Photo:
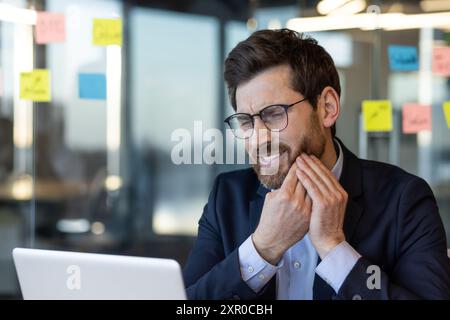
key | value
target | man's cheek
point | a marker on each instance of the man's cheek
(252, 153)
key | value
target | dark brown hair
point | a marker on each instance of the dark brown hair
(313, 68)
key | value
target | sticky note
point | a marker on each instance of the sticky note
(107, 32)
(35, 85)
(403, 58)
(377, 115)
(441, 61)
(416, 117)
(446, 107)
(50, 27)
(447, 38)
(92, 86)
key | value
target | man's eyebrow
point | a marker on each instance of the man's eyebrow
(262, 106)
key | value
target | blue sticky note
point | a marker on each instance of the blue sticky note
(403, 58)
(92, 86)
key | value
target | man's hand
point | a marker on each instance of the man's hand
(285, 219)
(329, 201)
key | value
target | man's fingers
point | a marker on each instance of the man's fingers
(320, 170)
(319, 166)
(308, 202)
(300, 191)
(311, 188)
(325, 170)
(306, 167)
(290, 180)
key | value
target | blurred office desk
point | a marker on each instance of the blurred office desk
(20, 204)
(42, 203)
(24, 189)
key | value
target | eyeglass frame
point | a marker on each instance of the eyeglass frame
(252, 116)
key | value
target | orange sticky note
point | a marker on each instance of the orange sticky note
(50, 27)
(446, 107)
(416, 117)
(441, 61)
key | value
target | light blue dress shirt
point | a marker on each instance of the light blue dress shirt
(296, 270)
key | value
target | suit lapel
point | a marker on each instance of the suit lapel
(352, 216)
(256, 205)
(351, 181)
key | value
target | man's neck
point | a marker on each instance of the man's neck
(329, 156)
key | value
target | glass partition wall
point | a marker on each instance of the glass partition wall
(94, 172)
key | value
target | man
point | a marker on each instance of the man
(326, 225)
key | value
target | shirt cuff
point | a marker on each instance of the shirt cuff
(255, 271)
(337, 264)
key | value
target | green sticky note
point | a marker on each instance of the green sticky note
(447, 38)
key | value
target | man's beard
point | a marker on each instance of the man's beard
(312, 142)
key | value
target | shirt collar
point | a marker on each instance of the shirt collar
(337, 168)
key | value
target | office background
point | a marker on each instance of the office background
(96, 175)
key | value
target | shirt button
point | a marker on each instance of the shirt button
(250, 269)
(261, 277)
(297, 265)
(357, 297)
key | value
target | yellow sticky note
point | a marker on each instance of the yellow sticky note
(107, 32)
(377, 115)
(35, 85)
(446, 107)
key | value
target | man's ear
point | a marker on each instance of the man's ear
(330, 105)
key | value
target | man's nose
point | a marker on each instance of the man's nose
(259, 124)
(260, 134)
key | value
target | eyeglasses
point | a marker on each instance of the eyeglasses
(274, 117)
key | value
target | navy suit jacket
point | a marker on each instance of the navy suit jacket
(391, 219)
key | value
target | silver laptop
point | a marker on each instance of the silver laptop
(61, 275)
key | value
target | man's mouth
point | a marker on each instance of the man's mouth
(269, 161)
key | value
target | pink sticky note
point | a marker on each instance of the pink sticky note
(50, 27)
(441, 61)
(416, 117)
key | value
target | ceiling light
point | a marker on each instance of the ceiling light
(9, 13)
(351, 7)
(326, 6)
(435, 5)
(369, 21)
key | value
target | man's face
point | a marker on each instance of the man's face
(303, 134)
